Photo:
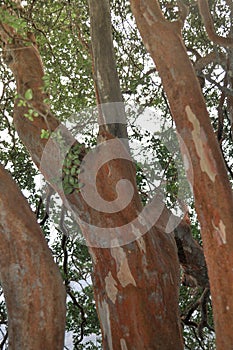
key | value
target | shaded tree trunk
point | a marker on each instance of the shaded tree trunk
(105, 73)
(213, 199)
(31, 281)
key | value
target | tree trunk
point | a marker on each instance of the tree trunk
(136, 285)
(31, 281)
(213, 198)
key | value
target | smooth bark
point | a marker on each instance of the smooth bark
(212, 190)
(105, 72)
(136, 285)
(31, 281)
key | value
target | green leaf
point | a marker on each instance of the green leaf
(71, 180)
(29, 116)
(68, 189)
(73, 170)
(28, 94)
(44, 134)
(76, 161)
(22, 103)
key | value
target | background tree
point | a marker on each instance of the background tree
(62, 33)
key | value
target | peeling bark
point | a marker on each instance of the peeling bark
(32, 284)
(213, 198)
(136, 286)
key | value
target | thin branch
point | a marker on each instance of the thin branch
(226, 164)
(3, 342)
(209, 25)
(201, 303)
(49, 193)
(83, 318)
(212, 57)
(220, 112)
(198, 340)
(224, 89)
(64, 244)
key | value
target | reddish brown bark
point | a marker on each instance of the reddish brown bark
(136, 286)
(212, 191)
(32, 284)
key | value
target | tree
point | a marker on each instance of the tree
(194, 125)
(141, 276)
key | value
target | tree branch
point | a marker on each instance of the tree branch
(212, 57)
(209, 25)
(105, 72)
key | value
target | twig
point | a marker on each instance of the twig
(3, 342)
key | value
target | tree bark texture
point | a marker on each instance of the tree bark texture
(105, 72)
(212, 191)
(136, 285)
(31, 281)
